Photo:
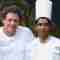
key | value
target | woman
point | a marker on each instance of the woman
(45, 46)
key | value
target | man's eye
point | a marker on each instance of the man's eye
(9, 19)
(39, 24)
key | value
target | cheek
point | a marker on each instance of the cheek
(37, 28)
(47, 29)
(6, 23)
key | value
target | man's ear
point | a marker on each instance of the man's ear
(3, 21)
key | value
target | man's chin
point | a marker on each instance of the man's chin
(11, 30)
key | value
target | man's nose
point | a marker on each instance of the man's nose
(12, 22)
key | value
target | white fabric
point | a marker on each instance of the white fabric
(17, 47)
(49, 8)
(46, 51)
(43, 8)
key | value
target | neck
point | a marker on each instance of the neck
(8, 33)
(43, 39)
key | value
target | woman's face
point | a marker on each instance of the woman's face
(42, 27)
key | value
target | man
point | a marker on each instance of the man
(46, 47)
(15, 40)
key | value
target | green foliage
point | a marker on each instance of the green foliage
(27, 12)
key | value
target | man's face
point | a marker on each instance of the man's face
(10, 22)
(43, 27)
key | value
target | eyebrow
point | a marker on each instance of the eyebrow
(42, 23)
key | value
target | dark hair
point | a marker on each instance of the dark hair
(12, 9)
(49, 21)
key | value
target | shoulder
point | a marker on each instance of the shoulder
(54, 40)
(25, 29)
(26, 33)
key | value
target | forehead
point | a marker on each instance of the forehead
(12, 15)
(42, 21)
